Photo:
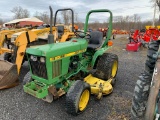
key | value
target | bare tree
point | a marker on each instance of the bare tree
(25, 13)
(66, 15)
(36, 14)
(44, 16)
(19, 12)
(127, 22)
(136, 19)
(58, 20)
(76, 19)
(158, 4)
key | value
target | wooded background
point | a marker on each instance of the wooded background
(119, 22)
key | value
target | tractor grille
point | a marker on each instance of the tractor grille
(39, 68)
(57, 68)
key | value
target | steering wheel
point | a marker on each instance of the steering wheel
(82, 34)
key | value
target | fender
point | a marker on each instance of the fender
(99, 53)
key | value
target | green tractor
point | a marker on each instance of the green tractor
(78, 68)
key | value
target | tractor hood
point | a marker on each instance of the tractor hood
(56, 49)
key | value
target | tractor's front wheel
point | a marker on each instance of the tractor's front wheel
(107, 67)
(77, 97)
(27, 78)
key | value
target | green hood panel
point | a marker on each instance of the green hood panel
(56, 49)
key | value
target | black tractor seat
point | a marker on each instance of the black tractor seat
(95, 40)
(60, 29)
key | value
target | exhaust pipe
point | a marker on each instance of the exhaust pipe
(50, 36)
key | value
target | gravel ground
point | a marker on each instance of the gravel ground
(17, 105)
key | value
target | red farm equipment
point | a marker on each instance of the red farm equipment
(134, 41)
(104, 31)
(151, 33)
(143, 37)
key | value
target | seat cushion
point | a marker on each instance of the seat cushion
(95, 40)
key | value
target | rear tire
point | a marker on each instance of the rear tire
(152, 103)
(150, 62)
(27, 78)
(140, 97)
(77, 97)
(107, 67)
(141, 91)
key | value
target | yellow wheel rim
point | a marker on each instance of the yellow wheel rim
(114, 68)
(84, 100)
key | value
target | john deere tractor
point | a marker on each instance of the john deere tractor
(15, 53)
(78, 68)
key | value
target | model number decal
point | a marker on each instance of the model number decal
(67, 55)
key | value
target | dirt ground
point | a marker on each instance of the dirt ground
(17, 105)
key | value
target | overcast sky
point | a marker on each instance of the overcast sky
(118, 7)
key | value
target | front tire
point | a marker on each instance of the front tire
(77, 97)
(27, 78)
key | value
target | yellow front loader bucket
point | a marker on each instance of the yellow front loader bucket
(8, 75)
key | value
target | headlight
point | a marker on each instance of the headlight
(34, 58)
(42, 59)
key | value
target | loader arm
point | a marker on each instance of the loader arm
(2, 37)
(6, 35)
(66, 36)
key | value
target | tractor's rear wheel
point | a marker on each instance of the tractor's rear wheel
(153, 102)
(151, 60)
(141, 91)
(154, 95)
(77, 97)
(107, 67)
(27, 78)
(8, 57)
(140, 97)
